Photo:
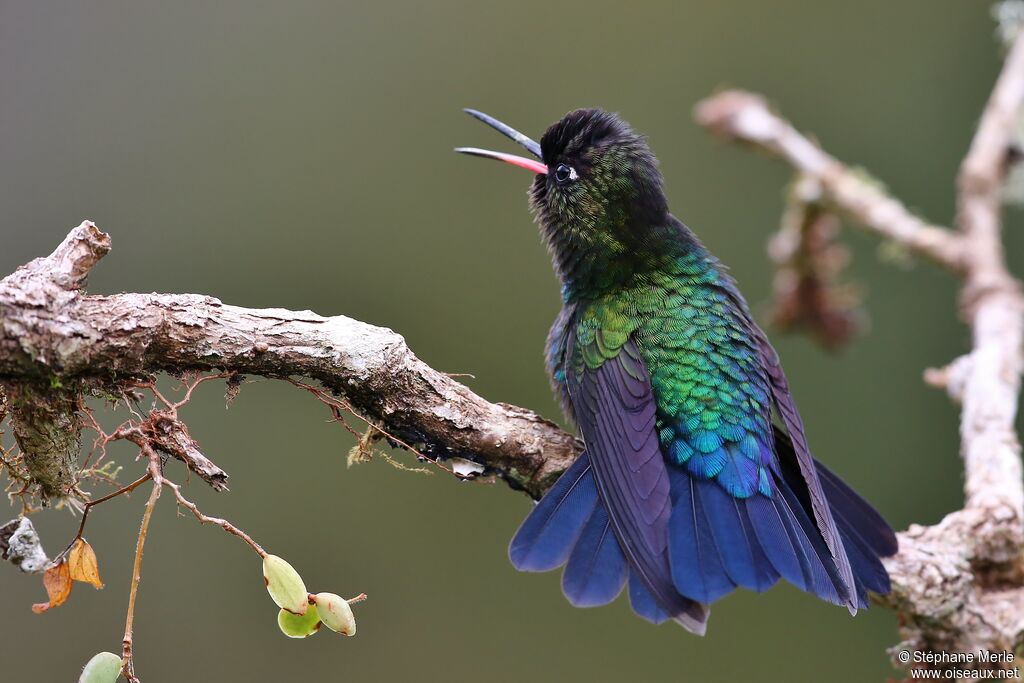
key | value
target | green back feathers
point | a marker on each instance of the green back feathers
(710, 389)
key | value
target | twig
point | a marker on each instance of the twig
(168, 434)
(205, 519)
(128, 669)
(337, 405)
(745, 117)
(191, 386)
(89, 505)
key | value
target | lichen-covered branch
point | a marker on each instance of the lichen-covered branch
(73, 338)
(958, 585)
(49, 432)
(44, 414)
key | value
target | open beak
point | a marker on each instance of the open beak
(510, 132)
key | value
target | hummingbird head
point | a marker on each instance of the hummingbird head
(603, 182)
(597, 193)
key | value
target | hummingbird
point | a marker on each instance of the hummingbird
(696, 477)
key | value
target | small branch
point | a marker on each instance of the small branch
(169, 435)
(129, 665)
(984, 168)
(89, 505)
(204, 519)
(359, 598)
(741, 116)
(57, 278)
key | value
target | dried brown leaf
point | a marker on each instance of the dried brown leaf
(57, 581)
(83, 564)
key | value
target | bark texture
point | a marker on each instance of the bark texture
(51, 334)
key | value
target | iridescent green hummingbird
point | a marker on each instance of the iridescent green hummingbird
(697, 477)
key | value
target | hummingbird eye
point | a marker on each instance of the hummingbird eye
(564, 174)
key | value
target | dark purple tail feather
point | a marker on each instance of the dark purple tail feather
(873, 530)
(718, 542)
(825, 581)
(777, 541)
(866, 535)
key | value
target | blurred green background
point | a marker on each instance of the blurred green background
(299, 155)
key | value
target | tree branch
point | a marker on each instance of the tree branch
(107, 339)
(958, 584)
(741, 116)
(44, 416)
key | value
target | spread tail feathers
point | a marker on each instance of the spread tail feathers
(716, 542)
(571, 526)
